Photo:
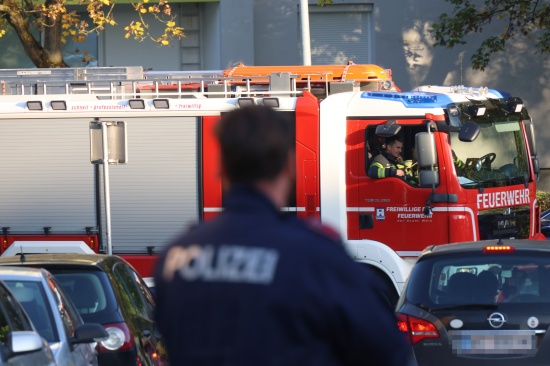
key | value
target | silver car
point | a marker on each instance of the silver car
(20, 344)
(54, 315)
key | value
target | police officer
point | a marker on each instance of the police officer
(257, 287)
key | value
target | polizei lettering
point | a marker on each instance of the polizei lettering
(503, 199)
(226, 263)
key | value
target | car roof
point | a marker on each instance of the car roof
(60, 258)
(27, 273)
(476, 247)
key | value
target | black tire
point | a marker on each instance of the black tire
(388, 291)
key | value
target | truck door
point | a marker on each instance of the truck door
(390, 210)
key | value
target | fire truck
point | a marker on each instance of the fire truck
(475, 160)
(54, 192)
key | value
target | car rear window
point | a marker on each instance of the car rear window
(90, 291)
(513, 278)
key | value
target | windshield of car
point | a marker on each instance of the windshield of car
(497, 157)
(477, 280)
(32, 296)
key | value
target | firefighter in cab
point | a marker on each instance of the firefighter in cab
(389, 163)
(257, 286)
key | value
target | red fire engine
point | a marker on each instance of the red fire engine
(52, 197)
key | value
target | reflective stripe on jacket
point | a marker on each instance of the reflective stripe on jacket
(382, 167)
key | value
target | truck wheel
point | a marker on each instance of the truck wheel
(389, 293)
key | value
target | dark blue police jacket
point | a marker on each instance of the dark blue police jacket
(257, 287)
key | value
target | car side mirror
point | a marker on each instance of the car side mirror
(23, 341)
(88, 333)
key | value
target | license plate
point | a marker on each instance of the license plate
(490, 342)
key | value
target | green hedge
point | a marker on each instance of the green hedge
(543, 199)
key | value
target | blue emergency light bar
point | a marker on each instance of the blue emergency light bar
(420, 99)
(413, 99)
(502, 93)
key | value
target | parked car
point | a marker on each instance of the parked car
(479, 303)
(106, 289)
(53, 315)
(20, 343)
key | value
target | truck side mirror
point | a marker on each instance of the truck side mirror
(530, 129)
(428, 178)
(425, 149)
(536, 167)
(469, 132)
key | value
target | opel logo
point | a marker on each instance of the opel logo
(496, 320)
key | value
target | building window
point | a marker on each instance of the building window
(340, 33)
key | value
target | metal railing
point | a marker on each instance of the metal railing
(133, 82)
(123, 84)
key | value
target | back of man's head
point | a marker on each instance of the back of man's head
(255, 143)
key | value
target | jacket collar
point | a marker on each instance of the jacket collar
(390, 158)
(246, 198)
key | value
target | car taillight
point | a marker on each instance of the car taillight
(415, 328)
(119, 338)
(498, 249)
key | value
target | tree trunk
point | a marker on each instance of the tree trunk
(52, 37)
(40, 57)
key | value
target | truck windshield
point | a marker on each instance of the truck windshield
(497, 157)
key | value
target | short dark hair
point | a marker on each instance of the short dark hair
(255, 143)
(393, 139)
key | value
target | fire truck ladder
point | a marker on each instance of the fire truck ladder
(239, 81)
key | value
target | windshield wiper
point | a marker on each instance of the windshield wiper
(466, 307)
